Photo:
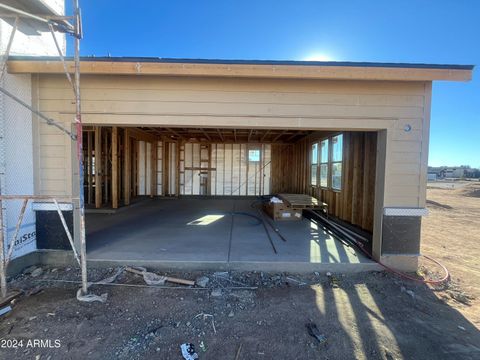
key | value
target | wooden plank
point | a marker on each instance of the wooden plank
(357, 195)
(90, 168)
(120, 162)
(165, 93)
(301, 201)
(347, 177)
(366, 175)
(153, 169)
(106, 177)
(166, 168)
(145, 164)
(98, 167)
(350, 72)
(127, 171)
(177, 169)
(369, 201)
(114, 167)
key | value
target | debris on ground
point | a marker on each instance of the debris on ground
(5, 310)
(452, 290)
(205, 317)
(102, 298)
(29, 270)
(91, 297)
(216, 292)
(34, 291)
(37, 272)
(300, 283)
(459, 295)
(237, 356)
(188, 351)
(12, 296)
(155, 279)
(202, 281)
(333, 280)
(148, 322)
(410, 293)
(314, 332)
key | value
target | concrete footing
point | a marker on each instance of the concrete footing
(41, 257)
(267, 266)
(58, 258)
(407, 263)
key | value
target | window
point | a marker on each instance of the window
(326, 163)
(254, 155)
(337, 157)
(314, 164)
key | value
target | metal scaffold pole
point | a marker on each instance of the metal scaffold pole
(61, 24)
(79, 131)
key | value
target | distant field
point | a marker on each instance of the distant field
(451, 234)
(448, 184)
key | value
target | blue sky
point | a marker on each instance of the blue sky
(429, 31)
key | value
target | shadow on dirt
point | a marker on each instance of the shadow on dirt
(472, 192)
(438, 205)
(363, 316)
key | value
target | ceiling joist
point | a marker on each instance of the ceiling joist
(229, 135)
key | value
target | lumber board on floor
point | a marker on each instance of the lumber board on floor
(301, 201)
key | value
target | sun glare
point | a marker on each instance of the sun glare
(206, 220)
(318, 57)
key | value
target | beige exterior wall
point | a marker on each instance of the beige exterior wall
(243, 103)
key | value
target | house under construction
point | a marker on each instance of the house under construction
(182, 158)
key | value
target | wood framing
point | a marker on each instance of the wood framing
(115, 167)
(89, 171)
(98, 167)
(127, 167)
(349, 71)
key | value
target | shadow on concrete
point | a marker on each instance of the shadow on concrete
(209, 230)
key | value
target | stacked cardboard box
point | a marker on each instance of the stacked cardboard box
(282, 212)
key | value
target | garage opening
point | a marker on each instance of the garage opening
(202, 195)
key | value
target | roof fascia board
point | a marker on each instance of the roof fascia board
(252, 70)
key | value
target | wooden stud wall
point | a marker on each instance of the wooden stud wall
(226, 169)
(111, 165)
(113, 170)
(355, 202)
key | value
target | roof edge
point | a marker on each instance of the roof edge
(248, 62)
(325, 70)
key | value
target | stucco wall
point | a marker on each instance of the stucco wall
(32, 37)
(16, 140)
(16, 161)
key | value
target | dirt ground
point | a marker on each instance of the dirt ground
(451, 234)
(363, 316)
(263, 316)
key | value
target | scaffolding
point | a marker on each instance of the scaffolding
(71, 25)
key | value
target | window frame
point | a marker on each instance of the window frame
(329, 163)
(312, 164)
(259, 155)
(332, 162)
